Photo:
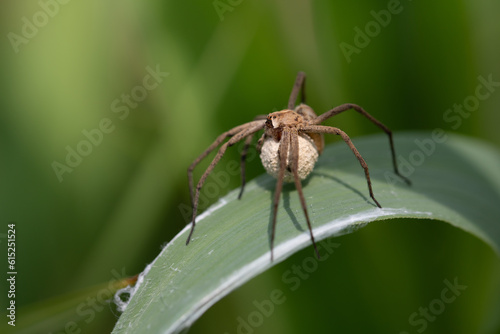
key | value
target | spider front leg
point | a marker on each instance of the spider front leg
(260, 142)
(212, 147)
(294, 160)
(244, 153)
(337, 110)
(283, 154)
(347, 140)
(245, 130)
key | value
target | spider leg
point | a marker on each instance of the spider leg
(245, 130)
(212, 147)
(260, 142)
(337, 110)
(283, 154)
(294, 159)
(347, 140)
(248, 142)
(300, 85)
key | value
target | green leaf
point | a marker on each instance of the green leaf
(455, 180)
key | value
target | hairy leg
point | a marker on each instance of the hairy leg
(283, 153)
(244, 153)
(299, 86)
(248, 142)
(260, 142)
(234, 139)
(212, 147)
(294, 160)
(337, 110)
(347, 140)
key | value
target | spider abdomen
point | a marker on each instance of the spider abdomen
(308, 155)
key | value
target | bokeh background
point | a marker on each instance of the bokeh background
(228, 61)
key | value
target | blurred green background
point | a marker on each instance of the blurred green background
(65, 72)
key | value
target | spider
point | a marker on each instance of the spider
(289, 147)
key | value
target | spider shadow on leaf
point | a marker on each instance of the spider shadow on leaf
(345, 185)
(288, 190)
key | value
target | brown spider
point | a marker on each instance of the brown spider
(289, 148)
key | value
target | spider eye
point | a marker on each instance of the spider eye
(269, 123)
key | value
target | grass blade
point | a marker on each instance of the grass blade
(455, 179)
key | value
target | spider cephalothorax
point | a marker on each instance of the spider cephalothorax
(289, 149)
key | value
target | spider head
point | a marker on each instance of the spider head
(276, 121)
